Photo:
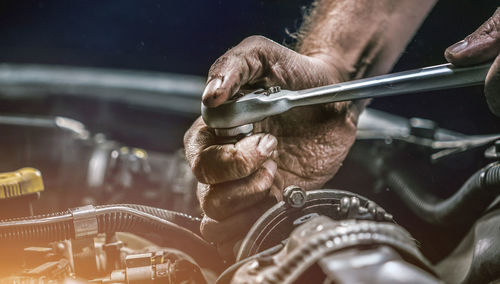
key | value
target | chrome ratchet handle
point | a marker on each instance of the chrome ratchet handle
(261, 104)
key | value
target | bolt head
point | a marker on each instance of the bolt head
(295, 196)
(274, 89)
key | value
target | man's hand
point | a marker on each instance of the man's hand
(339, 40)
(304, 146)
(481, 46)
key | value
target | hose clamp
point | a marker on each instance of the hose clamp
(84, 221)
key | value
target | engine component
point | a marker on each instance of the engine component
(463, 208)
(48, 272)
(157, 267)
(20, 183)
(18, 190)
(326, 251)
(269, 233)
(475, 259)
(299, 206)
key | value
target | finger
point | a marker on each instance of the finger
(492, 87)
(198, 137)
(235, 226)
(220, 201)
(480, 46)
(228, 80)
(214, 164)
(234, 69)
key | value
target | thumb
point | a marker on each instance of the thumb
(480, 46)
(238, 66)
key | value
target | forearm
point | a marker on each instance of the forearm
(362, 37)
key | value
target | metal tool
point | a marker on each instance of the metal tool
(235, 117)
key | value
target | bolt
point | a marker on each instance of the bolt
(344, 205)
(273, 90)
(294, 196)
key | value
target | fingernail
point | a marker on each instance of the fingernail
(267, 145)
(211, 87)
(458, 47)
(270, 166)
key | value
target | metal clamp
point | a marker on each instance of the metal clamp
(84, 221)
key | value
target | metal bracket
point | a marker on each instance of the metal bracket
(84, 222)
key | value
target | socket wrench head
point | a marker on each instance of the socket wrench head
(244, 130)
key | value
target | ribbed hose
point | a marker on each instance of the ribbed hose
(59, 225)
(47, 227)
(356, 234)
(137, 219)
(463, 208)
(184, 220)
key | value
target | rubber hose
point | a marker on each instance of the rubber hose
(59, 225)
(357, 234)
(111, 219)
(181, 219)
(462, 208)
(60, 229)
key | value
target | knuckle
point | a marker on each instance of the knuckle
(242, 164)
(254, 39)
(201, 192)
(213, 204)
(216, 68)
(236, 162)
(263, 182)
(199, 170)
(208, 229)
(491, 28)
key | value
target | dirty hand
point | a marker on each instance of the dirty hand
(481, 46)
(304, 146)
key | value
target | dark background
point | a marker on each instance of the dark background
(187, 36)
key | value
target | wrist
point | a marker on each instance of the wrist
(368, 35)
(337, 68)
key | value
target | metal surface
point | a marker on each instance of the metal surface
(276, 224)
(85, 221)
(258, 105)
(173, 92)
(294, 196)
(235, 131)
(321, 237)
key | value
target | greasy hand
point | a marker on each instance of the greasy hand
(305, 146)
(481, 46)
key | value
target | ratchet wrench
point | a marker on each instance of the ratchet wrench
(235, 117)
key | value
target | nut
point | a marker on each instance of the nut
(294, 196)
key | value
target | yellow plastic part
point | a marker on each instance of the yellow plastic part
(21, 182)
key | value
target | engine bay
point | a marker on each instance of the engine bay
(95, 188)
